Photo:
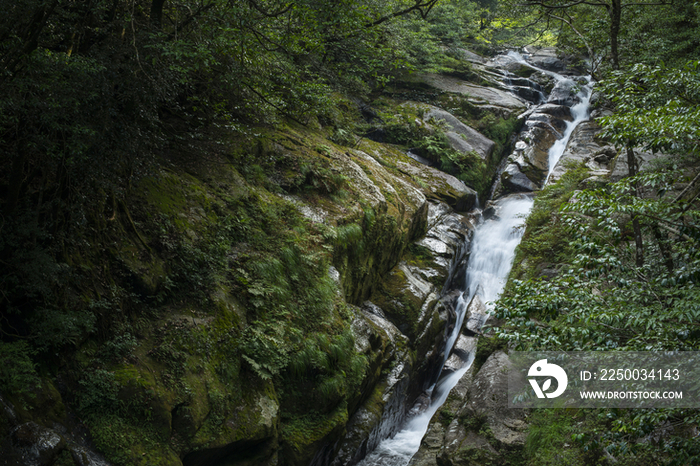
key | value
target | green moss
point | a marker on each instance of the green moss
(128, 444)
(221, 283)
(41, 403)
(486, 346)
(549, 439)
(446, 416)
(479, 457)
(302, 435)
(248, 412)
(65, 459)
(545, 242)
(401, 306)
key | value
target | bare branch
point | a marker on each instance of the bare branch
(544, 4)
(564, 20)
(275, 14)
(422, 6)
(646, 4)
(687, 188)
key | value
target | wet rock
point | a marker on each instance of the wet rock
(512, 65)
(546, 122)
(462, 354)
(442, 441)
(580, 149)
(545, 81)
(529, 93)
(378, 418)
(535, 156)
(477, 314)
(516, 181)
(475, 94)
(447, 240)
(560, 112)
(488, 397)
(489, 212)
(36, 445)
(85, 457)
(482, 428)
(385, 406)
(546, 58)
(406, 303)
(564, 93)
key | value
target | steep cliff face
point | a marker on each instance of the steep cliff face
(281, 303)
(474, 427)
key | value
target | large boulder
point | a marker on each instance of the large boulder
(385, 405)
(475, 427)
(515, 181)
(477, 95)
(440, 186)
(34, 445)
(546, 58)
(462, 138)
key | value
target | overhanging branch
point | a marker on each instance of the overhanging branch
(422, 6)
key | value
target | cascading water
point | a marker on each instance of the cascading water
(492, 252)
(580, 114)
(493, 248)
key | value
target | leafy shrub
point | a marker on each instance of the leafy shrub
(17, 370)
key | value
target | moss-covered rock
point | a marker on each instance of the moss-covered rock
(216, 330)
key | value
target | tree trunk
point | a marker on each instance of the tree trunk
(615, 11)
(664, 248)
(638, 241)
(157, 12)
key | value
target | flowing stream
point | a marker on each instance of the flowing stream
(492, 252)
(493, 248)
(580, 114)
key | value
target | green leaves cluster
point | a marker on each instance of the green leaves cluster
(657, 107)
(600, 300)
(603, 300)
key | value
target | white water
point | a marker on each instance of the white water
(519, 58)
(579, 111)
(580, 114)
(493, 249)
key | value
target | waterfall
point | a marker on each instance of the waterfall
(493, 248)
(492, 252)
(580, 114)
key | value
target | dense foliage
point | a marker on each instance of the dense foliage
(140, 223)
(96, 94)
(627, 265)
(98, 99)
(611, 33)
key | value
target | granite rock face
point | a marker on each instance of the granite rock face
(413, 308)
(481, 430)
(462, 138)
(478, 95)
